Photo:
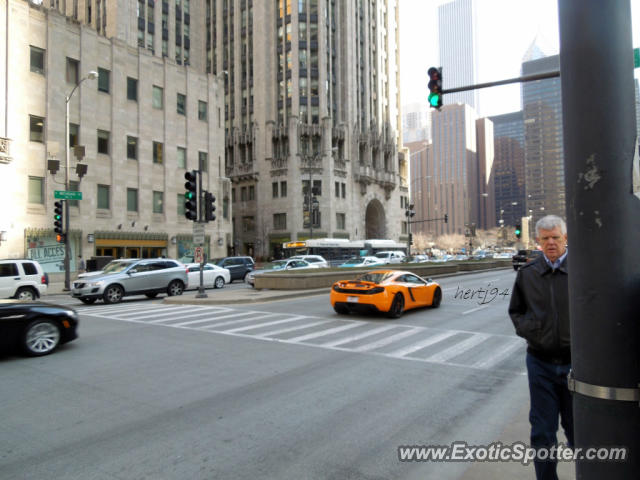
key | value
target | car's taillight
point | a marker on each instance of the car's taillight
(45, 279)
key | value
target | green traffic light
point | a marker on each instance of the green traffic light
(434, 99)
(188, 195)
(57, 217)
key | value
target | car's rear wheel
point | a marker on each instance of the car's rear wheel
(87, 300)
(341, 309)
(437, 298)
(41, 337)
(219, 282)
(176, 287)
(244, 279)
(113, 294)
(151, 295)
(26, 293)
(397, 306)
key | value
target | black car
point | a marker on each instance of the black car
(237, 266)
(36, 328)
(523, 257)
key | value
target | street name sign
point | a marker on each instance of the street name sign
(67, 195)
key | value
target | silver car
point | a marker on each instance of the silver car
(132, 277)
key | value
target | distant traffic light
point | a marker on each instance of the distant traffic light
(518, 230)
(209, 206)
(58, 216)
(435, 87)
(191, 195)
(410, 212)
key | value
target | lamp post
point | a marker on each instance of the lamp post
(92, 75)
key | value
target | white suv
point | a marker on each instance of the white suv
(22, 279)
(391, 256)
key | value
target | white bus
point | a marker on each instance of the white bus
(337, 250)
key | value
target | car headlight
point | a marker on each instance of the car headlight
(96, 284)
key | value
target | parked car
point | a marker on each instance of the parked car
(416, 259)
(213, 276)
(22, 279)
(312, 259)
(388, 291)
(238, 267)
(124, 277)
(276, 265)
(362, 262)
(523, 257)
(391, 256)
(34, 327)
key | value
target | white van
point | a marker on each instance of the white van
(391, 256)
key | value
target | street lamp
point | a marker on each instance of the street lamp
(92, 75)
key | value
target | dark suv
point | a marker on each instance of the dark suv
(237, 266)
(524, 256)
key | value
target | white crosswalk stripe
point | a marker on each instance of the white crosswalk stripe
(400, 342)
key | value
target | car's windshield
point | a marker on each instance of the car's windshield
(382, 255)
(375, 277)
(277, 265)
(116, 267)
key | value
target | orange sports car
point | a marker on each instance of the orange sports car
(388, 291)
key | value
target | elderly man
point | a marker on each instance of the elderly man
(539, 309)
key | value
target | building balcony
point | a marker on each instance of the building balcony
(241, 171)
(5, 156)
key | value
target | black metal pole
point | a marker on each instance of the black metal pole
(201, 219)
(596, 62)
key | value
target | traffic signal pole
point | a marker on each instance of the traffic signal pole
(603, 213)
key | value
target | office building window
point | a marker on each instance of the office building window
(103, 197)
(181, 209)
(274, 189)
(202, 111)
(233, 195)
(344, 190)
(182, 157)
(158, 202)
(225, 207)
(182, 104)
(252, 192)
(36, 190)
(341, 221)
(103, 142)
(157, 97)
(203, 161)
(283, 189)
(243, 194)
(132, 199)
(104, 80)
(74, 132)
(73, 67)
(279, 221)
(37, 60)
(157, 152)
(132, 148)
(248, 224)
(337, 189)
(132, 89)
(317, 188)
(36, 128)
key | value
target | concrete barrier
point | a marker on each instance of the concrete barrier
(325, 277)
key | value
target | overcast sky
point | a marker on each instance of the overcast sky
(506, 29)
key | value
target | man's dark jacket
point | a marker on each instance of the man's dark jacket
(539, 309)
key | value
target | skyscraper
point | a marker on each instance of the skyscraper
(311, 117)
(458, 43)
(544, 152)
(508, 133)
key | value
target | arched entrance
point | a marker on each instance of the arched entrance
(375, 225)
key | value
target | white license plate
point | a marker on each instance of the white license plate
(353, 299)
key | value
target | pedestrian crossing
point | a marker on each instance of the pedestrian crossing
(482, 351)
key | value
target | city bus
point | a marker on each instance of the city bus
(338, 250)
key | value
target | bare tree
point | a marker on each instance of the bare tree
(422, 241)
(486, 238)
(451, 241)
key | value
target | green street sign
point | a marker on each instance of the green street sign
(67, 195)
(636, 58)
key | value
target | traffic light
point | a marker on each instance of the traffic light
(446, 218)
(518, 230)
(191, 195)
(58, 216)
(209, 206)
(435, 87)
(410, 212)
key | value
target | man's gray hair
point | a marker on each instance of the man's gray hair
(550, 222)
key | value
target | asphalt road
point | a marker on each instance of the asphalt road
(280, 390)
